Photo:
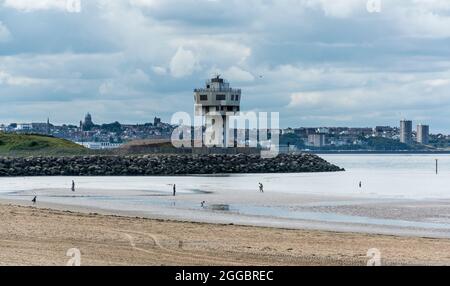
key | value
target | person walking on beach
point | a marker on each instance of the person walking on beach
(261, 188)
(360, 184)
(34, 199)
(174, 190)
(73, 186)
(202, 204)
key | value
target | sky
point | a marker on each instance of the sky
(316, 62)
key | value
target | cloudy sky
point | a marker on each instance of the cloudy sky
(317, 62)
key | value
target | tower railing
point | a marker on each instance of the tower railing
(217, 90)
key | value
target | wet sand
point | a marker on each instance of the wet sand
(41, 236)
(295, 201)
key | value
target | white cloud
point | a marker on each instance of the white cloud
(125, 85)
(106, 87)
(239, 75)
(144, 3)
(329, 99)
(215, 50)
(137, 77)
(33, 5)
(183, 63)
(8, 79)
(438, 82)
(337, 8)
(159, 70)
(423, 23)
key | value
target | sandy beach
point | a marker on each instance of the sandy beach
(33, 236)
(300, 219)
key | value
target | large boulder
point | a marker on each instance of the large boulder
(148, 165)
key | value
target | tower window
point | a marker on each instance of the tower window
(220, 97)
(232, 97)
(203, 97)
(237, 97)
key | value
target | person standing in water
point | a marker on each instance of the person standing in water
(34, 199)
(360, 184)
(174, 190)
(261, 188)
(73, 186)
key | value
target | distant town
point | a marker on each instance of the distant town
(379, 138)
(95, 136)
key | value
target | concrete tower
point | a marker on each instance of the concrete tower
(423, 133)
(215, 103)
(406, 131)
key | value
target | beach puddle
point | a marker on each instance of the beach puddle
(285, 213)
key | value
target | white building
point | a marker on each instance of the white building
(24, 126)
(99, 145)
(323, 130)
(215, 103)
(288, 131)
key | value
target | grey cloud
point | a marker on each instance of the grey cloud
(118, 59)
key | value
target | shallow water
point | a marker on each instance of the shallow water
(400, 194)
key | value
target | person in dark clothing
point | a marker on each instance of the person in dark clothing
(174, 190)
(360, 184)
(261, 188)
(34, 199)
(73, 186)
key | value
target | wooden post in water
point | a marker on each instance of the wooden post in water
(437, 171)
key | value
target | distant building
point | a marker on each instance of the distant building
(316, 140)
(287, 131)
(382, 130)
(156, 121)
(423, 134)
(323, 130)
(24, 127)
(99, 145)
(41, 128)
(366, 131)
(88, 124)
(406, 131)
(304, 132)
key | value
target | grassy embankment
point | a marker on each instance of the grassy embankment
(27, 145)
